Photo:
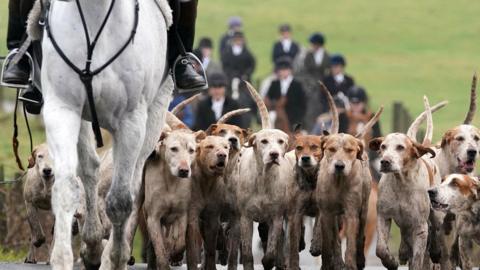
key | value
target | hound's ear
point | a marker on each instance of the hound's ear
(246, 132)
(447, 138)
(32, 159)
(360, 149)
(200, 135)
(374, 144)
(211, 129)
(475, 187)
(163, 136)
(420, 150)
(297, 129)
(251, 140)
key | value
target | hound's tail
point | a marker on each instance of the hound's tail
(473, 101)
(370, 123)
(427, 140)
(173, 122)
(413, 129)
(180, 106)
(262, 108)
(333, 109)
(231, 114)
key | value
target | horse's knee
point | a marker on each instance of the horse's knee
(119, 206)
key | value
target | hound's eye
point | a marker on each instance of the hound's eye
(476, 138)
(348, 150)
(453, 183)
(191, 150)
(383, 147)
(223, 131)
(299, 148)
(281, 141)
(332, 149)
(314, 147)
(460, 139)
(210, 146)
(174, 149)
(226, 147)
(264, 141)
(238, 132)
(40, 156)
(400, 147)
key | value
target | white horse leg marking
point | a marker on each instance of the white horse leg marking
(88, 173)
(126, 152)
(62, 129)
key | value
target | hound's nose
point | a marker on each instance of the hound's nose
(183, 173)
(385, 163)
(274, 155)
(47, 171)
(222, 156)
(306, 159)
(339, 166)
(471, 153)
(432, 193)
(233, 141)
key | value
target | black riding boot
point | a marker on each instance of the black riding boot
(187, 70)
(18, 11)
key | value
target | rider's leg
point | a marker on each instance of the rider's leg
(181, 37)
(17, 17)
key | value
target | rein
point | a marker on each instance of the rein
(86, 74)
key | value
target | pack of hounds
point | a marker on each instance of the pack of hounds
(203, 190)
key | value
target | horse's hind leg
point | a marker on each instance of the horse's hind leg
(88, 171)
(155, 123)
(62, 129)
(119, 201)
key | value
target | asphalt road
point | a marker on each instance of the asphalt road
(143, 266)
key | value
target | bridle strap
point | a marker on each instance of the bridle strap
(86, 75)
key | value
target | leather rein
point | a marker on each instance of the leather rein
(86, 74)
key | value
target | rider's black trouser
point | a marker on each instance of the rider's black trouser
(17, 20)
(184, 17)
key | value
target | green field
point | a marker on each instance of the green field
(398, 50)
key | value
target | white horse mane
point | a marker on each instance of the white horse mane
(35, 30)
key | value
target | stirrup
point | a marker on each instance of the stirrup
(7, 61)
(197, 65)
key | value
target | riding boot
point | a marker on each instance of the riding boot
(187, 69)
(18, 11)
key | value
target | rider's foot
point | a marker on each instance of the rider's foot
(33, 99)
(187, 78)
(16, 74)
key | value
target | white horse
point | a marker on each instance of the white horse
(131, 97)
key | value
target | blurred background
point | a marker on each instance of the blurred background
(394, 52)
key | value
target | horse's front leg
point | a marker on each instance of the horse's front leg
(62, 124)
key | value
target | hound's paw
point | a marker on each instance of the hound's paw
(268, 262)
(39, 242)
(30, 260)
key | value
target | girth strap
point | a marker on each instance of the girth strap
(86, 75)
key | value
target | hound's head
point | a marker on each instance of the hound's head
(461, 144)
(340, 152)
(178, 148)
(456, 193)
(398, 153)
(212, 154)
(236, 136)
(41, 162)
(270, 145)
(308, 151)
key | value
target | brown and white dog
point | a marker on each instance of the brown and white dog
(460, 195)
(167, 179)
(305, 159)
(261, 177)
(207, 200)
(37, 192)
(402, 195)
(342, 192)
